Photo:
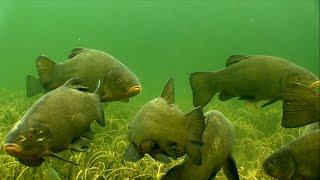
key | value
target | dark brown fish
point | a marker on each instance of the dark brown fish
(251, 78)
(56, 122)
(118, 83)
(218, 139)
(160, 127)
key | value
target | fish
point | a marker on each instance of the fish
(219, 140)
(58, 121)
(118, 83)
(297, 160)
(249, 77)
(301, 106)
(161, 130)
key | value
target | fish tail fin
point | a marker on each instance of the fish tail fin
(45, 68)
(202, 87)
(33, 86)
(297, 100)
(230, 169)
(196, 126)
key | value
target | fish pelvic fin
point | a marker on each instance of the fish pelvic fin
(34, 86)
(175, 173)
(235, 59)
(45, 67)
(131, 153)
(273, 100)
(202, 88)
(195, 130)
(230, 169)
(300, 106)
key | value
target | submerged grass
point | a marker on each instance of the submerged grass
(258, 134)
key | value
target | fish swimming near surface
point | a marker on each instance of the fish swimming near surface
(58, 121)
(118, 83)
(301, 106)
(219, 139)
(252, 78)
(297, 160)
(161, 128)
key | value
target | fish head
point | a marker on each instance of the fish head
(280, 165)
(28, 145)
(119, 85)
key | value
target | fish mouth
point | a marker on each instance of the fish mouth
(12, 149)
(315, 85)
(134, 91)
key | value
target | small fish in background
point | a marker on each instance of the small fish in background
(301, 105)
(118, 82)
(297, 160)
(161, 128)
(252, 78)
(58, 121)
(219, 139)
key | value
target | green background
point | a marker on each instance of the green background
(156, 39)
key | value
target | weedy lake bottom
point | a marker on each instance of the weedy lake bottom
(258, 134)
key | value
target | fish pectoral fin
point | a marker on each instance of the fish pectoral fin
(80, 145)
(45, 68)
(235, 59)
(298, 106)
(75, 51)
(162, 158)
(52, 154)
(224, 95)
(193, 151)
(88, 134)
(230, 169)
(131, 153)
(125, 100)
(273, 100)
(168, 92)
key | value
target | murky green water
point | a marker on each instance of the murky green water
(156, 39)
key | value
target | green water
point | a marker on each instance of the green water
(156, 39)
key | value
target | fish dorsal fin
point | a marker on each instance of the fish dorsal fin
(196, 127)
(75, 83)
(76, 51)
(45, 68)
(168, 92)
(235, 59)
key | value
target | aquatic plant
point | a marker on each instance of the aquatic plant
(258, 135)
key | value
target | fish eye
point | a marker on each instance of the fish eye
(30, 136)
(272, 162)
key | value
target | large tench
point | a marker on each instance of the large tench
(118, 83)
(218, 138)
(160, 127)
(251, 78)
(300, 159)
(56, 122)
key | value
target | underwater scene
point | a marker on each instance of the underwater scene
(159, 89)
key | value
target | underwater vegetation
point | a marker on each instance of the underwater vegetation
(258, 134)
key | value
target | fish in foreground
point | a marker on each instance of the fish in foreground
(219, 139)
(252, 78)
(118, 83)
(161, 128)
(58, 121)
(301, 106)
(298, 160)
